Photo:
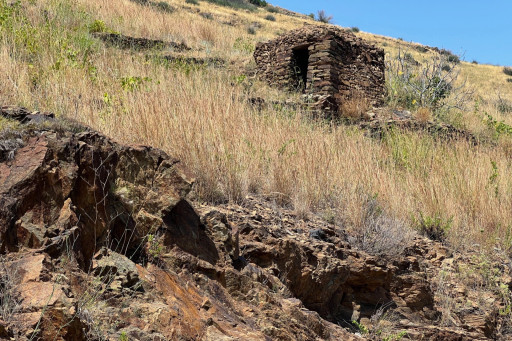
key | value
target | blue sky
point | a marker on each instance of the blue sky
(477, 30)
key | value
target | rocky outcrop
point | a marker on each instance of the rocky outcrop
(127, 42)
(98, 241)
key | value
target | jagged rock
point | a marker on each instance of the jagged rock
(84, 219)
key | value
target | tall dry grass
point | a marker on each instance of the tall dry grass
(201, 115)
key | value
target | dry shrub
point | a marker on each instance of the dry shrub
(380, 233)
(355, 106)
(10, 303)
(423, 114)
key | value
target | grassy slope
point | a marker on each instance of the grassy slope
(50, 62)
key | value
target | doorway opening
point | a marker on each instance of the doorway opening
(301, 60)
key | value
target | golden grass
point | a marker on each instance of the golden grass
(203, 117)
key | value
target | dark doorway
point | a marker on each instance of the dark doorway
(300, 61)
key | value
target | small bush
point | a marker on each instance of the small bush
(355, 29)
(507, 70)
(474, 62)
(430, 85)
(272, 9)
(311, 15)
(237, 4)
(163, 6)
(509, 80)
(323, 17)
(97, 26)
(435, 228)
(454, 59)
(192, 2)
(259, 3)
(270, 17)
(251, 30)
(381, 234)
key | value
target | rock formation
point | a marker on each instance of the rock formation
(99, 241)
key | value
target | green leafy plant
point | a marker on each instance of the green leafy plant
(132, 83)
(97, 26)
(244, 45)
(355, 29)
(507, 70)
(499, 127)
(361, 327)
(434, 227)
(270, 17)
(123, 336)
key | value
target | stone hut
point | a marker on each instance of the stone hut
(324, 61)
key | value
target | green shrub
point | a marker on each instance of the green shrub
(507, 70)
(311, 15)
(474, 62)
(97, 26)
(251, 30)
(355, 29)
(454, 59)
(433, 227)
(192, 2)
(272, 9)
(163, 6)
(259, 3)
(270, 17)
(244, 45)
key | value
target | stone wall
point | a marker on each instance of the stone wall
(339, 64)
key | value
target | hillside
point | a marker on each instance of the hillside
(310, 205)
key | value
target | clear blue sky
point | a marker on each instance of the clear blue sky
(478, 30)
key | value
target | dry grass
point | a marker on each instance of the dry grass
(423, 114)
(201, 116)
(355, 107)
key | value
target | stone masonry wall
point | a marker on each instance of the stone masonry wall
(340, 64)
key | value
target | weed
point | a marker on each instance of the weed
(244, 45)
(251, 30)
(132, 83)
(361, 327)
(355, 29)
(97, 26)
